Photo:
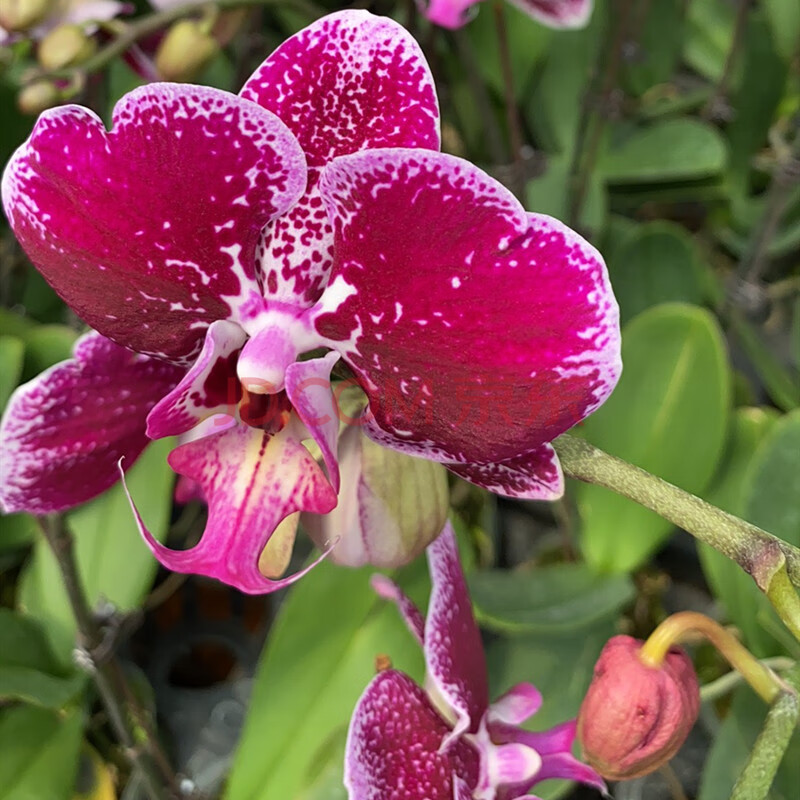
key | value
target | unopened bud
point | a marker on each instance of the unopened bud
(38, 96)
(184, 51)
(20, 15)
(635, 717)
(391, 506)
(65, 46)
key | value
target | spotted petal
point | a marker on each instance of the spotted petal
(453, 648)
(348, 82)
(149, 231)
(393, 746)
(63, 433)
(252, 482)
(506, 338)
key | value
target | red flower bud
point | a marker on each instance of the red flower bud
(635, 717)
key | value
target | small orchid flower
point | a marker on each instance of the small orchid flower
(240, 238)
(552, 13)
(447, 742)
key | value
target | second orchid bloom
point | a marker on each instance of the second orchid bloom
(232, 252)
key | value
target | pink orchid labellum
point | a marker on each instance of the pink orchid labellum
(231, 241)
(552, 13)
(446, 742)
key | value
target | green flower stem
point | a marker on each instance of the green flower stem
(756, 779)
(725, 684)
(106, 673)
(130, 33)
(762, 555)
(679, 627)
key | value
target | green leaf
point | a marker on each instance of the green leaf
(784, 19)
(318, 660)
(17, 530)
(772, 487)
(668, 150)
(656, 264)
(732, 745)
(113, 562)
(659, 47)
(550, 599)
(40, 753)
(709, 36)
(668, 415)
(13, 324)
(28, 669)
(12, 353)
(744, 602)
(46, 345)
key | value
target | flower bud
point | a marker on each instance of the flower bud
(635, 717)
(391, 506)
(38, 96)
(65, 46)
(20, 15)
(184, 51)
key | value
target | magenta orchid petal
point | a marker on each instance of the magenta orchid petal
(518, 704)
(348, 82)
(253, 482)
(389, 590)
(509, 335)
(393, 746)
(308, 386)
(552, 13)
(533, 476)
(502, 765)
(63, 432)
(149, 231)
(209, 387)
(452, 642)
(461, 790)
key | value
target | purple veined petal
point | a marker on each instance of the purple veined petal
(518, 704)
(503, 765)
(252, 482)
(389, 590)
(461, 790)
(308, 386)
(557, 13)
(452, 642)
(508, 337)
(149, 231)
(393, 746)
(209, 387)
(348, 82)
(63, 432)
(533, 476)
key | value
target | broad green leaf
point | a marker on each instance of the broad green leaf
(709, 36)
(318, 660)
(656, 264)
(17, 530)
(40, 753)
(668, 150)
(784, 19)
(46, 345)
(668, 415)
(659, 43)
(744, 602)
(782, 384)
(12, 353)
(732, 745)
(28, 669)
(560, 666)
(551, 599)
(555, 110)
(547, 194)
(772, 487)
(114, 563)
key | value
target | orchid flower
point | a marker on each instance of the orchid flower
(447, 742)
(309, 218)
(552, 13)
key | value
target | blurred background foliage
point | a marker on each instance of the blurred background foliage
(667, 132)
